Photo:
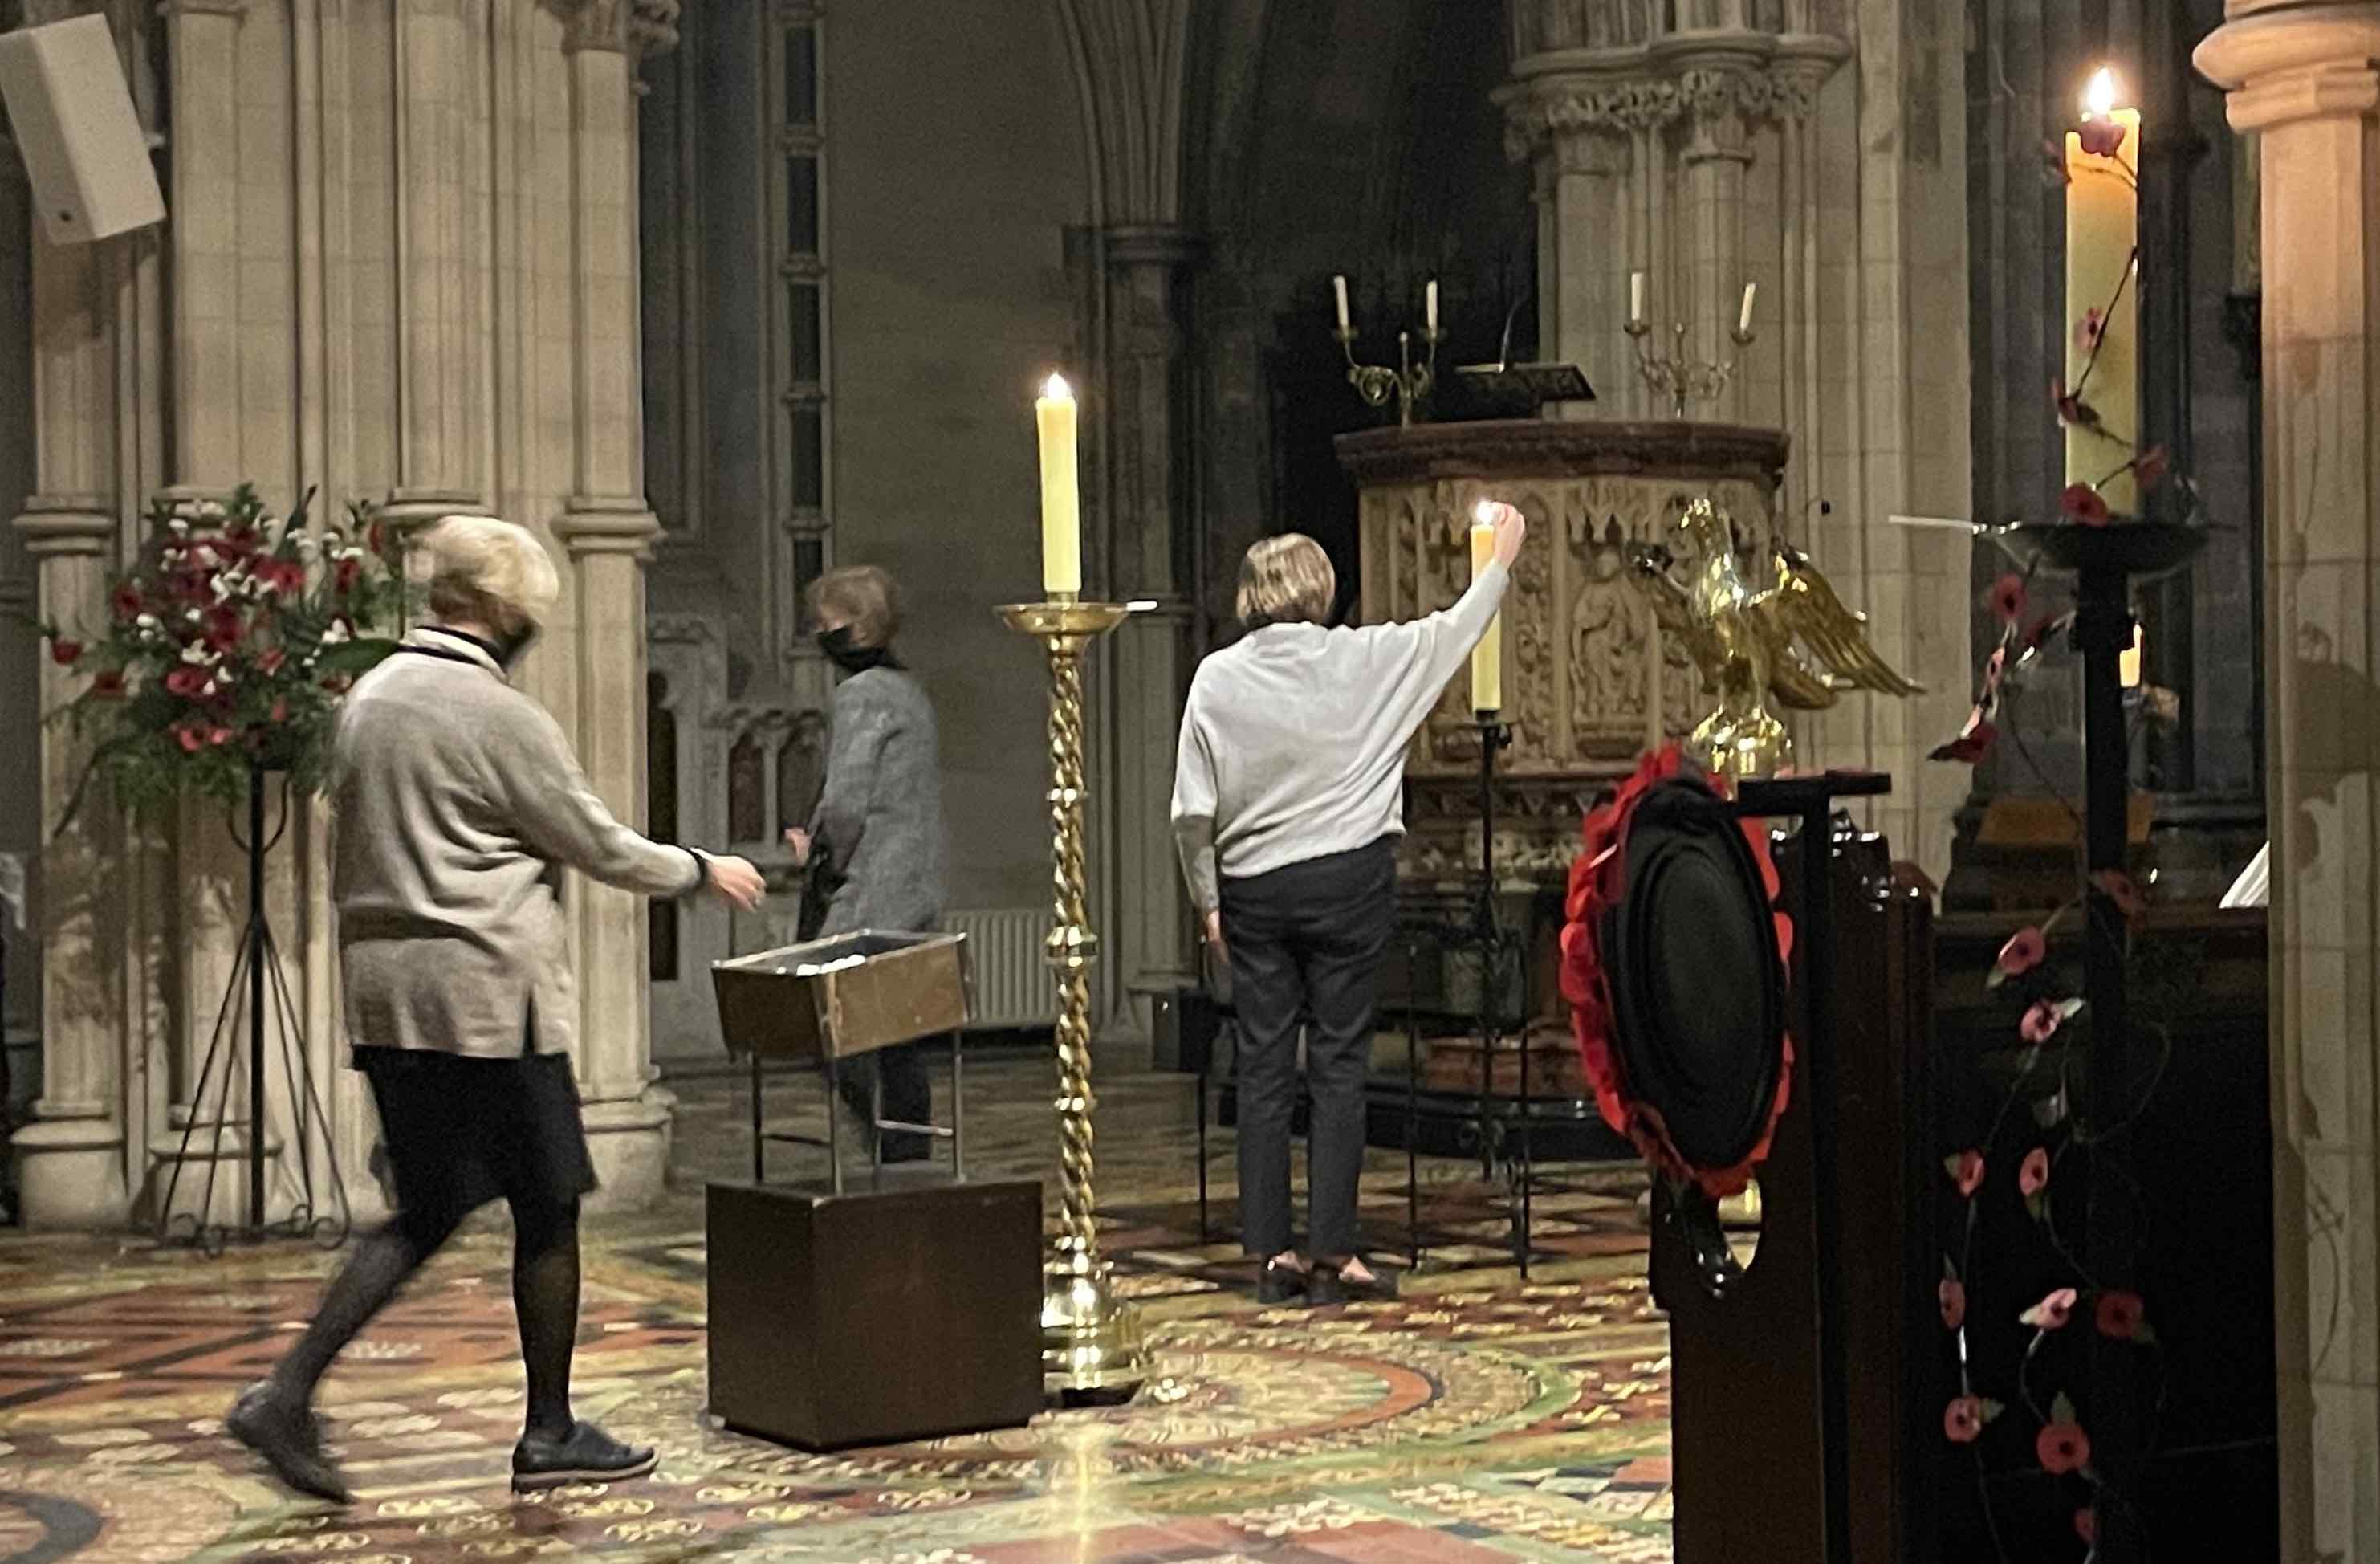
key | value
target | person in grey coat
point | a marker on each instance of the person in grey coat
(874, 844)
(456, 805)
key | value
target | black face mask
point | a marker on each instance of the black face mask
(836, 644)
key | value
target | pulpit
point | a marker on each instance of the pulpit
(1591, 682)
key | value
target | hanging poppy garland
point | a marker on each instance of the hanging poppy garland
(1696, 1086)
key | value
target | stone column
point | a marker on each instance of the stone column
(609, 530)
(1149, 670)
(1585, 146)
(1723, 90)
(2300, 76)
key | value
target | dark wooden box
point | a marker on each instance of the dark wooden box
(875, 1318)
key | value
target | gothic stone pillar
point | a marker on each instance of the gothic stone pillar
(2301, 76)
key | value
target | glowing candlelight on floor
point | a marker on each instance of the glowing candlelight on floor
(1488, 657)
(2102, 237)
(1062, 496)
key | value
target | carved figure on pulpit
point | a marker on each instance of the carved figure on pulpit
(1609, 641)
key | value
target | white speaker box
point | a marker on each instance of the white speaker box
(73, 119)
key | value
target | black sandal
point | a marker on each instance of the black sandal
(1327, 1288)
(1278, 1283)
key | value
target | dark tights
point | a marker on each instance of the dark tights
(545, 1300)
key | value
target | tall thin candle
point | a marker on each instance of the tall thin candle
(1488, 657)
(1061, 498)
(2102, 236)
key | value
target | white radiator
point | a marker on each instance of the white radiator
(1013, 985)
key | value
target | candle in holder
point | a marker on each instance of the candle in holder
(1488, 657)
(1430, 308)
(1744, 320)
(1339, 287)
(2127, 662)
(2102, 236)
(1062, 497)
(1635, 296)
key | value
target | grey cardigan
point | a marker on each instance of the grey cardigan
(880, 850)
(457, 804)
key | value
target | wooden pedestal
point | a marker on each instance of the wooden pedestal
(875, 1318)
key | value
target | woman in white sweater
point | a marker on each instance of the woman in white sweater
(1288, 795)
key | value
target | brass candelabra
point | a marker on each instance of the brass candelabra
(1090, 1339)
(1680, 377)
(1409, 383)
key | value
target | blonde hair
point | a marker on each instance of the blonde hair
(866, 598)
(481, 570)
(1286, 581)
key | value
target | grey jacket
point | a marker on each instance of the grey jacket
(457, 804)
(878, 827)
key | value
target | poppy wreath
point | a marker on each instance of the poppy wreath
(1597, 901)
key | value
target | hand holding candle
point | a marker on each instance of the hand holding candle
(1062, 499)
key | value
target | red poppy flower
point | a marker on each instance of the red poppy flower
(376, 539)
(269, 661)
(2083, 502)
(190, 739)
(2033, 1175)
(2071, 409)
(107, 684)
(2089, 330)
(2101, 137)
(1954, 1304)
(218, 737)
(1967, 1172)
(1974, 742)
(2062, 1448)
(2052, 1311)
(2086, 1525)
(2037, 632)
(281, 709)
(2120, 1315)
(65, 653)
(2026, 950)
(344, 574)
(126, 601)
(2120, 889)
(186, 681)
(2151, 469)
(1962, 1420)
(224, 629)
(238, 541)
(2008, 598)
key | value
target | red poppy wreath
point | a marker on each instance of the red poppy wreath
(1673, 963)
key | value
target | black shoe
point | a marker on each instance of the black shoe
(289, 1439)
(1278, 1283)
(1328, 1288)
(586, 1454)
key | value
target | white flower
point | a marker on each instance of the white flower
(307, 546)
(146, 621)
(197, 654)
(177, 526)
(351, 554)
(336, 633)
(224, 585)
(210, 511)
(191, 615)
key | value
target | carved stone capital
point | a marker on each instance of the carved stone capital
(636, 28)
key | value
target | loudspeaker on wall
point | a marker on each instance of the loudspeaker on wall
(72, 116)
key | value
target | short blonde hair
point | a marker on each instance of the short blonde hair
(1286, 581)
(481, 570)
(865, 599)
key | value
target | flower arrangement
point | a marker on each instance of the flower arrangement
(228, 645)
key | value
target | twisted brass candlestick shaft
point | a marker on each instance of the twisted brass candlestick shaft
(1090, 1340)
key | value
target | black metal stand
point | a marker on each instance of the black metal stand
(235, 1052)
(1487, 932)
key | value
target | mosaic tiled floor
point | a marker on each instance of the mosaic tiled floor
(1476, 1419)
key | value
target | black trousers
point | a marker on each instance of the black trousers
(1307, 941)
(908, 1097)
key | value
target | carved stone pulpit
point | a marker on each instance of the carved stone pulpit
(1589, 684)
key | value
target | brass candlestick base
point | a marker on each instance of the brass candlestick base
(1409, 385)
(1682, 379)
(1090, 1339)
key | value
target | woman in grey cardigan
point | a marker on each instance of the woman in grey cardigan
(1287, 797)
(457, 804)
(874, 844)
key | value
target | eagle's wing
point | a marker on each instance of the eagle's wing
(1804, 607)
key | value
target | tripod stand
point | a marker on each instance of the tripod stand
(237, 1051)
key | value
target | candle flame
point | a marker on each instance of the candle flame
(1055, 389)
(1483, 513)
(2099, 100)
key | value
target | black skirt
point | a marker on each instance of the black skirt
(463, 1132)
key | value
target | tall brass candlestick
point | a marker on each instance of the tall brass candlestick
(1090, 1339)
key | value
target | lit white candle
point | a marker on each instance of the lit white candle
(1488, 657)
(1430, 312)
(1743, 321)
(1339, 286)
(1635, 296)
(2102, 236)
(1062, 497)
(2127, 662)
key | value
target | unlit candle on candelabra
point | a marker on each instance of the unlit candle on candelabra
(1744, 320)
(1635, 296)
(1430, 310)
(1062, 497)
(2102, 236)
(1339, 287)
(1488, 657)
